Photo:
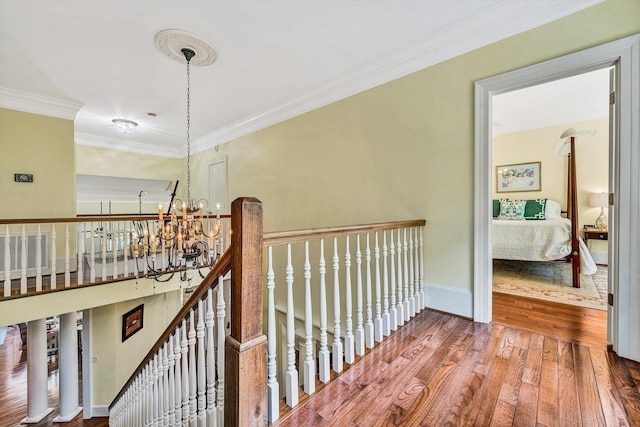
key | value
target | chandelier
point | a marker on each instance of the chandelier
(185, 238)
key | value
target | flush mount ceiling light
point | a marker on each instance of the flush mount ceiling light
(124, 125)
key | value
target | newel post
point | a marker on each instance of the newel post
(246, 347)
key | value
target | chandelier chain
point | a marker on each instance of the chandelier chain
(188, 129)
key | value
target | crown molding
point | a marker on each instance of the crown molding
(127, 145)
(509, 19)
(38, 104)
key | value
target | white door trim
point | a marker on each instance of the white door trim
(625, 55)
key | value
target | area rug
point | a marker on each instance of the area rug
(550, 281)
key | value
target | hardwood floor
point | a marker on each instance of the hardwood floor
(445, 370)
(13, 387)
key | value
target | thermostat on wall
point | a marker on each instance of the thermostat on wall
(23, 177)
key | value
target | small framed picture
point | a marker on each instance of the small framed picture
(518, 177)
(132, 322)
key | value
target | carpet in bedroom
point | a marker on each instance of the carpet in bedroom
(551, 281)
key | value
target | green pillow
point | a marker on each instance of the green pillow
(496, 208)
(535, 209)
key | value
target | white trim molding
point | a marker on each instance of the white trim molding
(450, 300)
(126, 145)
(38, 104)
(624, 242)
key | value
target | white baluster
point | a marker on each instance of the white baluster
(80, 252)
(53, 257)
(378, 326)
(193, 408)
(412, 287)
(39, 260)
(165, 385)
(114, 247)
(422, 287)
(338, 352)
(149, 400)
(103, 240)
(171, 395)
(156, 392)
(368, 327)
(291, 385)
(184, 350)
(386, 325)
(403, 298)
(23, 263)
(393, 312)
(221, 312)
(273, 388)
(349, 342)
(67, 258)
(211, 361)
(177, 355)
(416, 272)
(202, 367)
(408, 304)
(323, 354)
(92, 260)
(309, 360)
(7, 262)
(125, 251)
(359, 318)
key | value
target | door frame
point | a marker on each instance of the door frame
(624, 272)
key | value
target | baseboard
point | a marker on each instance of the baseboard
(600, 257)
(99, 411)
(449, 300)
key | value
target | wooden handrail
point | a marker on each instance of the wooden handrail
(281, 237)
(103, 218)
(221, 268)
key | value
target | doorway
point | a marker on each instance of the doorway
(529, 255)
(623, 315)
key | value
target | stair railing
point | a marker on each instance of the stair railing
(374, 285)
(197, 372)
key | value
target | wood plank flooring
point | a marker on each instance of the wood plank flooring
(445, 370)
(13, 387)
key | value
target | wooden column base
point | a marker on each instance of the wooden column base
(246, 400)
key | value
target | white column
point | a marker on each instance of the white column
(68, 360)
(37, 372)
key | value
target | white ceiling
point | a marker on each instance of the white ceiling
(565, 101)
(276, 58)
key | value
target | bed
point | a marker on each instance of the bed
(534, 230)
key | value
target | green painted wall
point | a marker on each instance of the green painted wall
(401, 150)
(42, 146)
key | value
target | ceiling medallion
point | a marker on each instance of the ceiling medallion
(171, 43)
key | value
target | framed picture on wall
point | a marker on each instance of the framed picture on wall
(518, 177)
(132, 322)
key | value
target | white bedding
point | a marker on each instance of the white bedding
(544, 240)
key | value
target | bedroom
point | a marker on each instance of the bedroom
(527, 124)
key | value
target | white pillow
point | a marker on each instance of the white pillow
(552, 210)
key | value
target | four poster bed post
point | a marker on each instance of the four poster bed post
(572, 215)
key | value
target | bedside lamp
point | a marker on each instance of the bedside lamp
(600, 200)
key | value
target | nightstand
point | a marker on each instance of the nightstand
(594, 234)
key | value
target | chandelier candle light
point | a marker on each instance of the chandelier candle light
(184, 237)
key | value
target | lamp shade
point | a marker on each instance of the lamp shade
(599, 200)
